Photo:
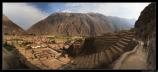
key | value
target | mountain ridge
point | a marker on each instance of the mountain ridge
(89, 24)
(10, 28)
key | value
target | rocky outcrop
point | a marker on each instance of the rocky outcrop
(145, 28)
(10, 28)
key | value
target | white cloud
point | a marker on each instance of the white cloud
(125, 10)
(22, 14)
(26, 15)
(66, 10)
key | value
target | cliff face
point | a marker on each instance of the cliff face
(11, 28)
(146, 31)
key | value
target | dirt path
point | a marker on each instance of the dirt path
(135, 59)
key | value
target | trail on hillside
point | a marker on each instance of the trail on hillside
(135, 59)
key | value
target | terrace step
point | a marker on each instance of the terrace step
(103, 58)
(119, 45)
(92, 59)
(126, 40)
(96, 58)
(123, 42)
(80, 62)
(118, 49)
(77, 60)
(114, 50)
(115, 53)
(87, 63)
(128, 37)
(109, 55)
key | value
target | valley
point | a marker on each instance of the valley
(71, 41)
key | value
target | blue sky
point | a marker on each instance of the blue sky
(27, 14)
(48, 7)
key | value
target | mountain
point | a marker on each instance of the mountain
(145, 28)
(11, 28)
(87, 24)
(122, 23)
(72, 24)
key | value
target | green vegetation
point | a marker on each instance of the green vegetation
(17, 39)
(56, 38)
(63, 37)
(3, 41)
(5, 33)
(26, 43)
(51, 38)
(8, 47)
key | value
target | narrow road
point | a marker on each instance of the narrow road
(135, 59)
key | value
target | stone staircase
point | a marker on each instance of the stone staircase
(109, 49)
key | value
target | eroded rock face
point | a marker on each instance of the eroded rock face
(11, 28)
(146, 31)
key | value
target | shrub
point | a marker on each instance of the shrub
(8, 47)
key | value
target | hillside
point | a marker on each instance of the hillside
(122, 23)
(11, 28)
(82, 24)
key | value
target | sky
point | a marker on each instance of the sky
(27, 14)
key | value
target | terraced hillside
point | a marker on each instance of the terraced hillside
(91, 53)
(100, 52)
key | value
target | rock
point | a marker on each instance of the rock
(146, 31)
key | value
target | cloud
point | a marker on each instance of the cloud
(23, 14)
(27, 14)
(66, 10)
(124, 10)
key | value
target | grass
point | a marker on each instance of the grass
(63, 37)
(51, 38)
(17, 39)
